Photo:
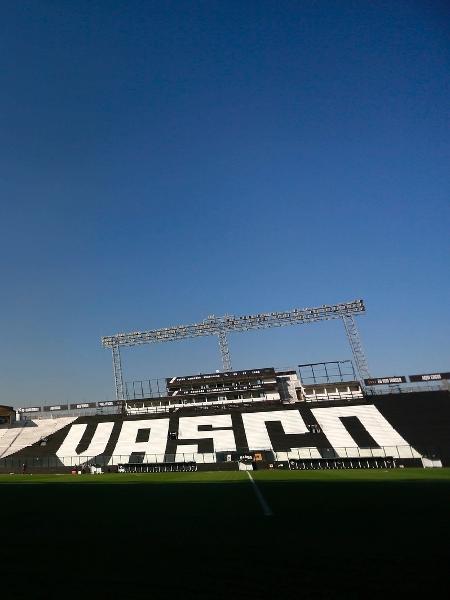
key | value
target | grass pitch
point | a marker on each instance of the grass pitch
(332, 534)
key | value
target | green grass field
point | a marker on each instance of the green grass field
(332, 534)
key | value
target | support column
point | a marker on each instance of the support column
(224, 350)
(354, 339)
(117, 369)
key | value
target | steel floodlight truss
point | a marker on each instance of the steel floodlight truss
(221, 326)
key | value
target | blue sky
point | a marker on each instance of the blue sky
(163, 161)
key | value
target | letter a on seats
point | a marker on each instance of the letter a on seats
(154, 448)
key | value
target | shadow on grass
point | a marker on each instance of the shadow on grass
(355, 539)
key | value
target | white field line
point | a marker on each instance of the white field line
(262, 501)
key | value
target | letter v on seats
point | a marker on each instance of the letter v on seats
(97, 443)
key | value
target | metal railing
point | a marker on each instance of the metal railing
(443, 386)
(53, 462)
(145, 388)
(170, 407)
(205, 405)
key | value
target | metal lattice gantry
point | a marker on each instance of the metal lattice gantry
(221, 326)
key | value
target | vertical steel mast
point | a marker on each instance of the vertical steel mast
(354, 339)
(117, 369)
(224, 350)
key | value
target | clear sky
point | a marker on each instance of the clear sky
(163, 161)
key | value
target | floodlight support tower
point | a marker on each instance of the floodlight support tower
(219, 324)
(118, 374)
(224, 350)
(222, 326)
(354, 339)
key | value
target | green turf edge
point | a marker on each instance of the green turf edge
(400, 475)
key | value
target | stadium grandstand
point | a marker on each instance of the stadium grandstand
(258, 418)
(324, 415)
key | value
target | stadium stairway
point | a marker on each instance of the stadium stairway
(16, 438)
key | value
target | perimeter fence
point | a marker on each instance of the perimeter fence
(15, 463)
